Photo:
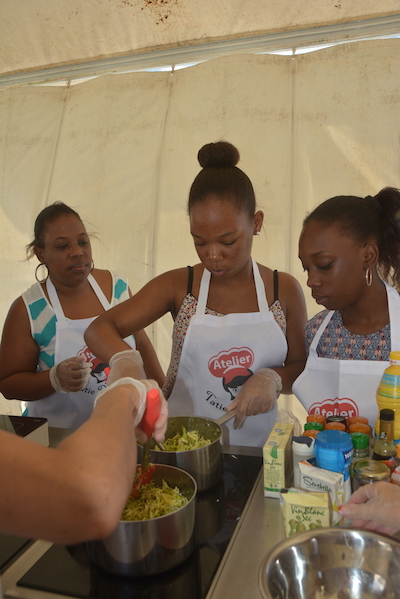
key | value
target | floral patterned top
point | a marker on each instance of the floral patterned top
(339, 343)
(186, 311)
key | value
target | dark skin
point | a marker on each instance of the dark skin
(67, 254)
(337, 267)
(223, 240)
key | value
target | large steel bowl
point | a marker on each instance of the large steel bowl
(205, 463)
(332, 563)
(139, 548)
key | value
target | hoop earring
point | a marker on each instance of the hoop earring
(92, 267)
(36, 272)
(368, 276)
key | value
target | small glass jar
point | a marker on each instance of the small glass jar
(370, 471)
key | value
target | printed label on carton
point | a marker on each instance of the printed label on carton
(277, 458)
(302, 510)
(317, 479)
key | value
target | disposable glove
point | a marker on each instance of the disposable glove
(374, 507)
(70, 375)
(126, 363)
(257, 396)
(143, 387)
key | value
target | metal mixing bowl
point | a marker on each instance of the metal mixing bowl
(205, 463)
(146, 547)
(332, 563)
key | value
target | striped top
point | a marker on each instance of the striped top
(43, 320)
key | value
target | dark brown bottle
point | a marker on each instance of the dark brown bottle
(384, 446)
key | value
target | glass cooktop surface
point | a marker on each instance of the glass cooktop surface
(69, 571)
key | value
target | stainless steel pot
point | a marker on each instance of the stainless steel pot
(205, 463)
(151, 546)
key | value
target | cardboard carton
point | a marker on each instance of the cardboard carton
(277, 458)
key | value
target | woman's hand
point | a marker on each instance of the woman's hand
(257, 396)
(142, 387)
(70, 375)
(126, 363)
(374, 507)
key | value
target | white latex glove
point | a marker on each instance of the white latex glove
(70, 375)
(127, 363)
(257, 396)
(374, 507)
(142, 387)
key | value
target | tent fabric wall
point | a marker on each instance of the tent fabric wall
(122, 151)
(39, 33)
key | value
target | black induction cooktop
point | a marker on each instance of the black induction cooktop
(69, 571)
(10, 549)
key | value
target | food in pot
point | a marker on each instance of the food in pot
(152, 501)
(185, 441)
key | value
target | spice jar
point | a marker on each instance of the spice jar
(370, 471)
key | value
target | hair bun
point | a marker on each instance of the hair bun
(221, 153)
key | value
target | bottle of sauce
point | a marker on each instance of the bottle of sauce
(384, 446)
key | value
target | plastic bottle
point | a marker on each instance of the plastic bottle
(334, 451)
(388, 393)
(384, 446)
(302, 449)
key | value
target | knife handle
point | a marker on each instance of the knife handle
(152, 411)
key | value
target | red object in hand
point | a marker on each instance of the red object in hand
(152, 411)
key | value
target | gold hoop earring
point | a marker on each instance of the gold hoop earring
(368, 276)
(36, 272)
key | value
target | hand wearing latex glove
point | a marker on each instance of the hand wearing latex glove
(374, 507)
(257, 396)
(126, 363)
(143, 387)
(70, 375)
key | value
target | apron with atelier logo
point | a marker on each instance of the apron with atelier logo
(347, 387)
(70, 410)
(219, 354)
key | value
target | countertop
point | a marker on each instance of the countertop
(258, 530)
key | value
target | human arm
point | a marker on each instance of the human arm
(151, 364)
(105, 335)
(293, 303)
(374, 507)
(19, 355)
(260, 392)
(77, 491)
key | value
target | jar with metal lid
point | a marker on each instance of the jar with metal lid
(370, 471)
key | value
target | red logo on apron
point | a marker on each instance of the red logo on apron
(335, 407)
(229, 364)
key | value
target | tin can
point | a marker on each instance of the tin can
(370, 471)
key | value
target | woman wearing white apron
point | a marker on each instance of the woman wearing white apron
(344, 252)
(234, 343)
(45, 360)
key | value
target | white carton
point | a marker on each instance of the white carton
(319, 480)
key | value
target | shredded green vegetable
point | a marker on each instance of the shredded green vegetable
(185, 441)
(153, 501)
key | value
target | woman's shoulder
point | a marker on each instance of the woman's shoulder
(314, 322)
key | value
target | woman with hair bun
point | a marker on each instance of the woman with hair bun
(350, 248)
(238, 326)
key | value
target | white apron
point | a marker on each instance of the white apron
(70, 410)
(347, 387)
(219, 354)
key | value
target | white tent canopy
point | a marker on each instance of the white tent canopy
(121, 149)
